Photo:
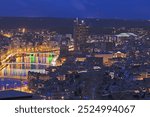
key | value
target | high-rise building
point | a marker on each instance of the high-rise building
(80, 34)
(64, 47)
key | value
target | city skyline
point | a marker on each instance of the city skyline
(89, 64)
(102, 54)
(135, 9)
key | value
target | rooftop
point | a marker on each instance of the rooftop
(126, 35)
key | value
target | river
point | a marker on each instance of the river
(17, 70)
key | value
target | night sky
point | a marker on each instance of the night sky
(122, 9)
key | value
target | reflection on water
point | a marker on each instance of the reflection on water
(22, 65)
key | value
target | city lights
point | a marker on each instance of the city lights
(77, 65)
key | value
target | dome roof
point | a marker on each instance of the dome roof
(126, 35)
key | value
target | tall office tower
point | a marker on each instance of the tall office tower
(80, 34)
(64, 47)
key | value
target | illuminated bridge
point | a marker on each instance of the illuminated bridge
(34, 62)
(17, 63)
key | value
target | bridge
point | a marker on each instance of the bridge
(5, 57)
(21, 65)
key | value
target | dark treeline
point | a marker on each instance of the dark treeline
(65, 25)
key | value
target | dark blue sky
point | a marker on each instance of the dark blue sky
(124, 9)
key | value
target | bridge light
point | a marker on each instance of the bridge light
(32, 58)
(50, 58)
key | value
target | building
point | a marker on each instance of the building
(80, 34)
(107, 46)
(64, 47)
(106, 58)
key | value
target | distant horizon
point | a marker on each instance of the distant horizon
(75, 18)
